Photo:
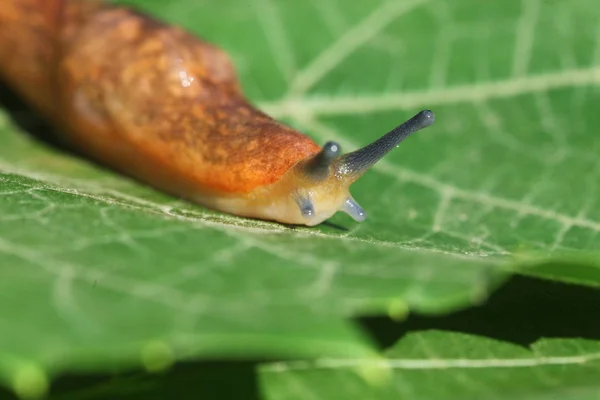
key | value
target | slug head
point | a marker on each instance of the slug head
(319, 185)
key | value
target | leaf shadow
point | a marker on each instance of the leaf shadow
(523, 311)
(29, 120)
(210, 380)
(325, 224)
(335, 226)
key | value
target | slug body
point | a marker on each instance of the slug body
(165, 107)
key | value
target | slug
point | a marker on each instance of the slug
(163, 106)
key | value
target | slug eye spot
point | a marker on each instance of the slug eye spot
(331, 150)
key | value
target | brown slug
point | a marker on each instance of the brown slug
(164, 106)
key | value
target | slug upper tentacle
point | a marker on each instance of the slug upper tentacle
(164, 106)
(353, 165)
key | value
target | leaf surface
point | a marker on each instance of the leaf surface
(100, 271)
(447, 365)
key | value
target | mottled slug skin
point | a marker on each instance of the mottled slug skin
(152, 101)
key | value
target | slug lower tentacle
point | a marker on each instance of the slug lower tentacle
(159, 104)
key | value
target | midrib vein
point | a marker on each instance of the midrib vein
(362, 104)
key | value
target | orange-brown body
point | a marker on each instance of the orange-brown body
(162, 105)
(144, 97)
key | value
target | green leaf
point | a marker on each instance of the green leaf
(102, 272)
(446, 365)
(107, 277)
(573, 266)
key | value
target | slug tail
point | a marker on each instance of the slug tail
(30, 45)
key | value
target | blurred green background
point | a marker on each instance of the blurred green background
(104, 278)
